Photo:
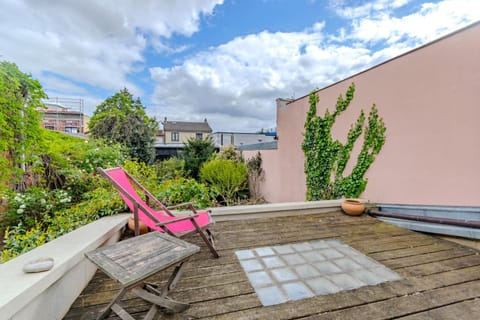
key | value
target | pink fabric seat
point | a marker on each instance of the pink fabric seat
(162, 220)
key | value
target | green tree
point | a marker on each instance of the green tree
(195, 153)
(20, 99)
(122, 119)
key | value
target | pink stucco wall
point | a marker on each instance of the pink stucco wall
(429, 99)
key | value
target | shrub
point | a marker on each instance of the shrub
(97, 203)
(66, 158)
(226, 178)
(169, 169)
(102, 155)
(101, 202)
(19, 240)
(229, 153)
(79, 182)
(34, 206)
(255, 176)
(145, 174)
(182, 190)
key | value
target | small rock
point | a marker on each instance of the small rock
(38, 265)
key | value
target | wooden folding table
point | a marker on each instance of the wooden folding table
(131, 261)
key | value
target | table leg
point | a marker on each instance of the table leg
(107, 311)
(169, 304)
(151, 312)
(158, 297)
(172, 281)
(122, 313)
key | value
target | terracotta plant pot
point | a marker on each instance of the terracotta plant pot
(353, 207)
(141, 226)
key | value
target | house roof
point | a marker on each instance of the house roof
(187, 126)
(266, 145)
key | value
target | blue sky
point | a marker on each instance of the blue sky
(224, 60)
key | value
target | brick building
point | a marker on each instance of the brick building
(65, 115)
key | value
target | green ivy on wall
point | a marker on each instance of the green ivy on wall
(326, 158)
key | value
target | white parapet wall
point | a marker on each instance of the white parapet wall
(271, 210)
(48, 295)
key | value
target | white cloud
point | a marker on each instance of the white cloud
(63, 86)
(235, 84)
(95, 42)
(66, 44)
(345, 10)
(242, 78)
(431, 22)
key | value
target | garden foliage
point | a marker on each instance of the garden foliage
(69, 194)
(172, 190)
(20, 99)
(49, 185)
(181, 190)
(229, 153)
(226, 178)
(255, 177)
(169, 169)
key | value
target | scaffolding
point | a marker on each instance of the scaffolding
(64, 114)
(70, 104)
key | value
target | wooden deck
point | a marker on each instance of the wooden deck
(441, 279)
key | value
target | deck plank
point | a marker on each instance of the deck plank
(406, 305)
(439, 277)
(469, 309)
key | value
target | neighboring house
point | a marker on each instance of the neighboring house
(170, 141)
(180, 131)
(238, 139)
(429, 100)
(159, 137)
(65, 115)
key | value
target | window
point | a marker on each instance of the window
(199, 136)
(71, 129)
(175, 136)
(49, 127)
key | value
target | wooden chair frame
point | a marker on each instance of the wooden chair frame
(203, 231)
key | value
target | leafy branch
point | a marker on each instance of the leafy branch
(326, 158)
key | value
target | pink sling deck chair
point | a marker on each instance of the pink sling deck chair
(163, 220)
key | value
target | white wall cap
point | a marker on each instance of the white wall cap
(19, 288)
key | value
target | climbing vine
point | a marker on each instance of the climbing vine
(20, 99)
(327, 158)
